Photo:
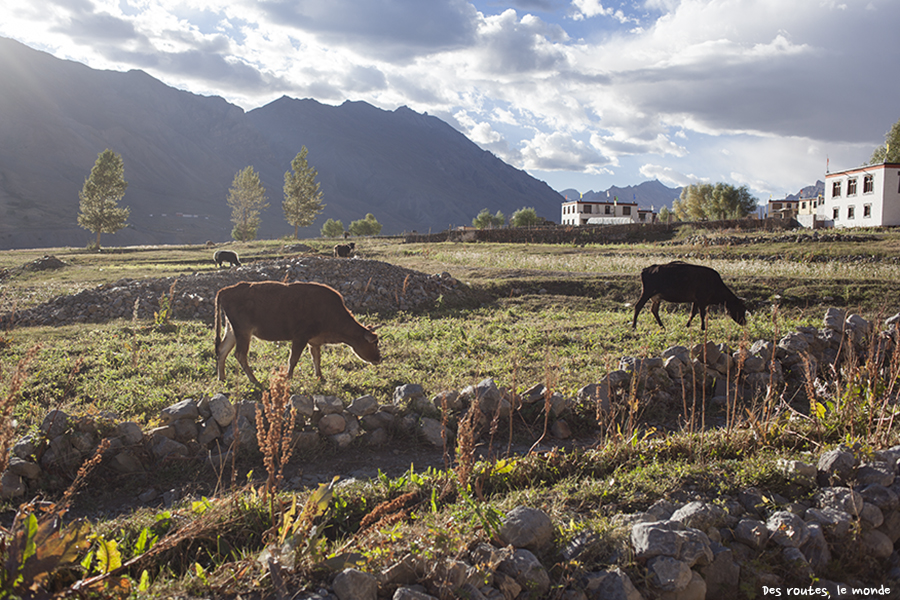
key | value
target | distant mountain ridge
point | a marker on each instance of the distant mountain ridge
(181, 152)
(649, 194)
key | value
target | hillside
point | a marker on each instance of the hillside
(649, 194)
(181, 152)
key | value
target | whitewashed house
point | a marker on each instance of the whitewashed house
(614, 212)
(862, 197)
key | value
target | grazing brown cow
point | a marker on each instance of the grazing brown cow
(226, 256)
(682, 282)
(344, 250)
(304, 313)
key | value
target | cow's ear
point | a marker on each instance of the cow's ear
(371, 337)
(373, 328)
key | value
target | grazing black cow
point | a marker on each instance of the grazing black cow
(682, 282)
(344, 250)
(226, 256)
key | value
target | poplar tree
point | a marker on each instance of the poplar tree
(103, 188)
(889, 152)
(247, 197)
(302, 197)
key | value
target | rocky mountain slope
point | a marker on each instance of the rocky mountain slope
(181, 152)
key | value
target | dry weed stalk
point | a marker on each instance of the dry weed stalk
(466, 437)
(8, 403)
(275, 429)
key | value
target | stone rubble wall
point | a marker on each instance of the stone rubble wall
(367, 286)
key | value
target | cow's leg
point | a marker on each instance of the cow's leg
(316, 352)
(654, 308)
(297, 347)
(694, 310)
(703, 317)
(637, 309)
(223, 350)
(241, 351)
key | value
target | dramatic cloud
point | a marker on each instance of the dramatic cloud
(608, 92)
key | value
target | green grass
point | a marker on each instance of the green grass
(547, 314)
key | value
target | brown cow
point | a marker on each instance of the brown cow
(679, 281)
(304, 313)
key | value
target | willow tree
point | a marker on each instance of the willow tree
(247, 198)
(103, 188)
(302, 197)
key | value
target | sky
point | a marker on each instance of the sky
(582, 94)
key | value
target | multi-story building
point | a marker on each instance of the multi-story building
(584, 212)
(862, 197)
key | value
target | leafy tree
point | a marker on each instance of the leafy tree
(485, 220)
(367, 226)
(665, 214)
(99, 207)
(707, 202)
(247, 197)
(525, 217)
(332, 228)
(889, 152)
(302, 196)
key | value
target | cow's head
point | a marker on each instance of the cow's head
(367, 349)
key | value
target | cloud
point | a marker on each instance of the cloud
(560, 152)
(668, 175)
(388, 29)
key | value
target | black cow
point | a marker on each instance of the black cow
(682, 282)
(344, 250)
(226, 256)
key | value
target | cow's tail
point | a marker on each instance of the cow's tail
(218, 311)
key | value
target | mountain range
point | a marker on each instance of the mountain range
(181, 152)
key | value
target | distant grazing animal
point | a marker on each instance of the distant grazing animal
(209, 243)
(304, 313)
(682, 282)
(223, 256)
(344, 250)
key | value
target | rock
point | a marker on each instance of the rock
(875, 472)
(525, 527)
(55, 424)
(332, 424)
(353, 584)
(798, 472)
(722, 574)
(839, 498)
(24, 468)
(165, 446)
(668, 574)
(328, 405)
(656, 538)
(876, 544)
(130, 433)
(363, 406)
(185, 430)
(700, 515)
(449, 400)
(834, 319)
(186, 409)
(405, 593)
(561, 430)
(816, 548)
(610, 585)
(527, 570)
(752, 533)
(883, 497)
(126, 463)
(836, 523)
(870, 517)
(222, 410)
(434, 432)
(24, 448)
(304, 405)
(835, 467)
(787, 529)
(596, 393)
(11, 486)
(209, 431)
(694, 590)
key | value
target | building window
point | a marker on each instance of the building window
(587, 209)
(867, 211)
(836, 189)
(868, 184)
(836, 214)
(626, 210)
(851, 212)
(851, 186)
(607, 211)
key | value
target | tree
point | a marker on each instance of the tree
(247, 197)
(106, 185)
(665, 215)
(302, 196)
(367, 226)
(524, 217)
(707, 202)
(332, 228)
(889, 152)
(485, 220)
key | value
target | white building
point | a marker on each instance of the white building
(862, 197)
(583, 212)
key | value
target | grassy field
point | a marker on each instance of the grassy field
(557, 315)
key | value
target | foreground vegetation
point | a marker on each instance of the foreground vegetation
(547, 314)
